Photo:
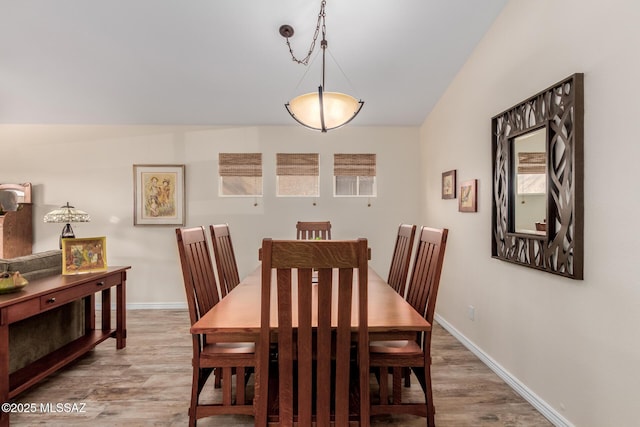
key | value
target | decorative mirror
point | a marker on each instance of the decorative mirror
(16, 228)
(12, 196)
(537, 148)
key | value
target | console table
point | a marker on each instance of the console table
(45, 294)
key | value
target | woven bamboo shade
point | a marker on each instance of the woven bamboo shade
(240, 164)
(354, 164)
(299, 164)
(531, 163)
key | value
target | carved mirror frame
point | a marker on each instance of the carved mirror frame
(559, 250)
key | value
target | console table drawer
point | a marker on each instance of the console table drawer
(64, 296)
(22, 310)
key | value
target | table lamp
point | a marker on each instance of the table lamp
(66, 215)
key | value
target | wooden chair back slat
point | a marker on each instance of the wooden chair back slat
(309, 333)
(313, 230)
(305, 346)
(401, 258)
(427, 267)
(197, 271)
(343, 348)
(225, 258)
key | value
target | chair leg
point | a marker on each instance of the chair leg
(218, 378)
(424, 378)
(397, 385)
(396, 376)
(261, 388)
(384, 385)
(240, 389)
(407, 377)
(226, 386)
(194, 396)
(429, 397)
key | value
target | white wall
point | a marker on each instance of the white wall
(91, 167)
(574, 344)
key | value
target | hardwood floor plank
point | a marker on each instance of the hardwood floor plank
(148, 384)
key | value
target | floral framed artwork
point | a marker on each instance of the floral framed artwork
(158, 195)
(449, 184)
(468, 198)
(84, 255)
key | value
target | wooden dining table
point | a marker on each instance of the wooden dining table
(236, 317)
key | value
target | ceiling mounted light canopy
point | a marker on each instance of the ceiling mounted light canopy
(320, 110)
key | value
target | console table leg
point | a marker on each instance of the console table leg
(4, 418)
(89, 313)
(106, 309)
(4, 368)
(121, 310)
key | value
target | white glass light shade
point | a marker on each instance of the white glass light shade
(338, 108)
(66, 214)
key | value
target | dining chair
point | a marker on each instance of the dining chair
(401, 258)
(414, 354)
(235, 357)
(318, 230)
(314, 330)
(225, 258)
(399, 270)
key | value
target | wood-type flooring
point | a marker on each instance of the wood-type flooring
(149, 382)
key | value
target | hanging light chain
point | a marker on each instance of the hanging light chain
(309, 109)
(321, 23)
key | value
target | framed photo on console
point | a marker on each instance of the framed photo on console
(84, 255)
(158, 195)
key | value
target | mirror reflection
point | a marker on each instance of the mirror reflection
(10, 200)
(530, 182)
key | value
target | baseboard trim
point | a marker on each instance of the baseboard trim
(543, 407)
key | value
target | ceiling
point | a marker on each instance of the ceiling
(223, 62)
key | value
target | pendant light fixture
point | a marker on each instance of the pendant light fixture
(320, 110)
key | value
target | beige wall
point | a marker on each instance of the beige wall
(91, 167)
(574, 345)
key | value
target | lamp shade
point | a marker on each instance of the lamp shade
(67, 214)
(324, 110)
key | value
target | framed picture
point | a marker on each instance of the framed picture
(158, 195)
(449, 184)
(467, 201)
(84, 255)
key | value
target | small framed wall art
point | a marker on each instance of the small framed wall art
(449, 184)
(158, 195)
(468, 199)
(84, 255)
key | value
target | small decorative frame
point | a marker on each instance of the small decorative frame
(468, 200)
(84, 255)
(158, 195)
(449, 184)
